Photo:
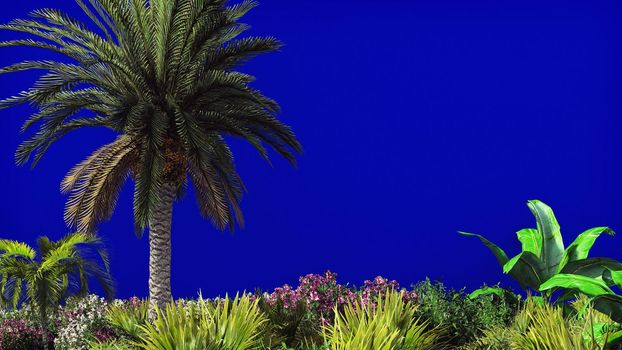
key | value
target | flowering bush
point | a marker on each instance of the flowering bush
(321, 293)
(27, 312)
(17, 334)
(378, 287)
(82, 319)
(298, 314)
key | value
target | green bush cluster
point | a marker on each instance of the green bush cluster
(463, 318)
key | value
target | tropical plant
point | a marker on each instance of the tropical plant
(388, 324)
(543, 254)
(223, 324)
(60, 269)
(162, 76)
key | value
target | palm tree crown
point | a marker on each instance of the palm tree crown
(161, 74)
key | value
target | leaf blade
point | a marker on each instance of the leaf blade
(501, 256)
(552, 243)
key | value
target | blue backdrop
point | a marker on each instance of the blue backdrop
(418, 118)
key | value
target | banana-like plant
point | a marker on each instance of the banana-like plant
(543, 255)
(602, 298)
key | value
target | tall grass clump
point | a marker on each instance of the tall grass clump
(127, 318)
(389, 324)
(223, 324)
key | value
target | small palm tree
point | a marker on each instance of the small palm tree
(161, 74)
(61, 269)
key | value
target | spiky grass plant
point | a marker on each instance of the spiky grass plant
(224, 324)
(389, 324)
(162, 75)
(542, 326)
(111, 345)
(128, 320)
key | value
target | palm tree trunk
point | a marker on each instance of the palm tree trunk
(160, 251)
(44, 326)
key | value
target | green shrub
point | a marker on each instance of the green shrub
(462, 318)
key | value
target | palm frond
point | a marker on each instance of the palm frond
(95, 184)
(13, 249)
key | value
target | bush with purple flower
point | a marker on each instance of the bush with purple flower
(17, 334)
(320, 294)
(373, 289)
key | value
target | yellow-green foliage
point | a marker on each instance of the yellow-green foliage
(111, 345)
(128, 319)
(541, 326)
(205, 325)
(389, 325)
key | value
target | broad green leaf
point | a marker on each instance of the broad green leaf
(527, 269)
(502, 258)
(510, 264)
(580, 248)
(610, 305)
(500, 292)
(614, 338)
(593, 267)
(531, 240)
(552, 243)
(586, 285)
(568, 294)
(616, 276)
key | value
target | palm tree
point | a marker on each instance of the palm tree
(161, 74)
(61, 269)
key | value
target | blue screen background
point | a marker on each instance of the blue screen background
(418, 119)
